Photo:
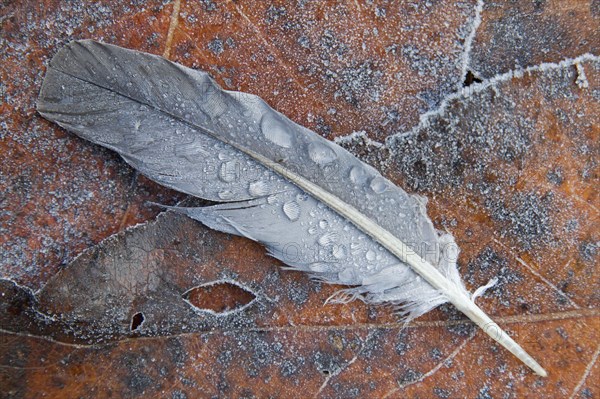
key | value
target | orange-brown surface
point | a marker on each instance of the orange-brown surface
(527, 33)
(509, 165)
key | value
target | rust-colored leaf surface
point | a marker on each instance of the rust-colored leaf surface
(526, 33)
(169, 308)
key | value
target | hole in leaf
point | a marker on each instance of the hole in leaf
(219, 297)
(136, 321)
(470, 79)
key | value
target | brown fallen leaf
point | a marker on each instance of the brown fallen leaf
(511, 169)
(285, 343)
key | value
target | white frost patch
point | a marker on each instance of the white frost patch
(357, 136)
(581, 81)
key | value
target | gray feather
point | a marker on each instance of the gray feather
(165, 120)
(314, 205)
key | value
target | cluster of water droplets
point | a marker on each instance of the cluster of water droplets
(337, 245)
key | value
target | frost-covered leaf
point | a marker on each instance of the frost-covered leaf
(546, 297)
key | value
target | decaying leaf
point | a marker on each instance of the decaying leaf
(547, 296)
(285, 342)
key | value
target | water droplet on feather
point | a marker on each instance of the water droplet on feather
(321, 153)
(229, 171)
(225, 194)
(358, 175)
(291, 210)
(370, 255)
(379, 185)
(258, 188)
(274, 130)
(327, 239)
(339, 251)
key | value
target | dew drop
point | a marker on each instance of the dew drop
(339, 251)
(271, 199)
(258, 188)
(291, 210)
(225, 194)
(274, 130)
(321, 153)
(379, 185)
(370, 255)
(229, 171)
(327, 239)
(192, 152)
(358, 175)
(323, 223)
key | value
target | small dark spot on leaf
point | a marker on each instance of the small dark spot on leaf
(586, 393)
(441, 393)
(555, 176)
(402, 346)
(420, 168)
(484, 393)
(274, 13)
(436, 354)
(410, 376)
(178, 395)
(470, 79)
(326, 363)
(136, 321)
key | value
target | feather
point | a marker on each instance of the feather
(315, 206)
